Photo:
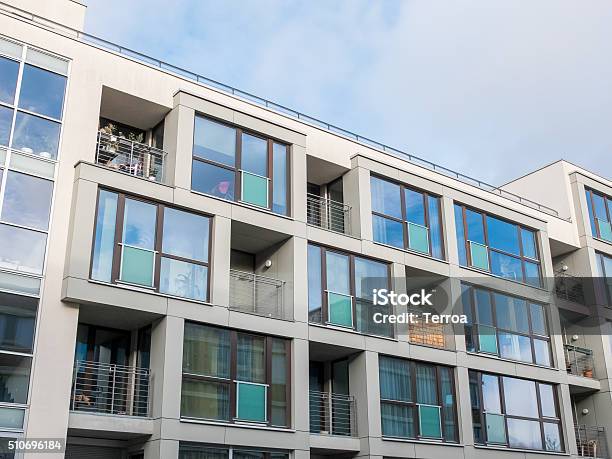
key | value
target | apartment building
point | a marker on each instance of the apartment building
(184, 273)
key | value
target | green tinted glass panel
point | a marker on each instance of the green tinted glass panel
(487, 339)
(480, 256)
(251, 402)
(496, 429)
(137, 266)
(605, 230)
(340, 309)
(429, 421)
(418, 238)
(254, 189)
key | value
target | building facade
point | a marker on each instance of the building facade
(185, 272)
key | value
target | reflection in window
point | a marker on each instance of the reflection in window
(210, 374)
(406, 218)
(604, 265)
(9, 70)
(600, 214)
(36, 135)
(17, 320)
(6, 120)
(417, 400)
(505, 325)
(27, 200)
(42, 92)
(25, 253)
(334, 300)
(494, 245)
(235, 165)
(197, 451)
(14, 378)
(180, 250)
(526, 409)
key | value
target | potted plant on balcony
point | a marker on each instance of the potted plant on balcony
(587, 372)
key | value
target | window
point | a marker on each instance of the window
(506, 326)
(605, 271)
(406, 218)
(513, 412)
(340, 290)
(30, 116)
(600, 214)
(17, 325)
(235, 377)
(417, 400)
(198, 451)
(32, 89)
(502, 248)
(233, 164)
(151, 245)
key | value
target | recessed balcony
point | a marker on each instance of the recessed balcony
(130, 157)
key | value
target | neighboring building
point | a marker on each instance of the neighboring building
(181, 270)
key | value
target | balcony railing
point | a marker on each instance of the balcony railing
(333, 414)
(569, 288)
(130, 157)
(328, 214)
(257, 294)
(110, 389)
(579, 361)
(591, 441)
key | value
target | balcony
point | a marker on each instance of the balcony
(110, 389)
(332, 414)
(257, 294)
(570, 288)
(328, 214)
(579, 361)
(591, 441)
(130, 157)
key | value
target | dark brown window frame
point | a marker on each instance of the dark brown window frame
(595, 231)
(159, 254)
(238, 163)
(404, 221)
(531, 335)
(324, 303)
(521, 257)
(413, 387)
(233, 339)
(540, 419)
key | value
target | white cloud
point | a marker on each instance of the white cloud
(493, 89)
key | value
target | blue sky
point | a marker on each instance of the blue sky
(493, 89)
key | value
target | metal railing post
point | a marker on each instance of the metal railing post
(112, 410)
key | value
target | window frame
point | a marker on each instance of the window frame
(266, 452)
(237, 168)
(404, 220)
(157, 246)
(531, 335)
(352, 287)
(522, 258)
(233, 368)
(541, 419)
(595, 230)
(414, 404)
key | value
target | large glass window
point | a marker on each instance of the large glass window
(497, 246)
(233, 164)
(340, 289)
(513, 412)
(232, 376)
(160, 248)
(17, 325)
(417, 400)
(198, 451)
(27, 200)
(506, 326)
(406, 218)
(600, 214)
